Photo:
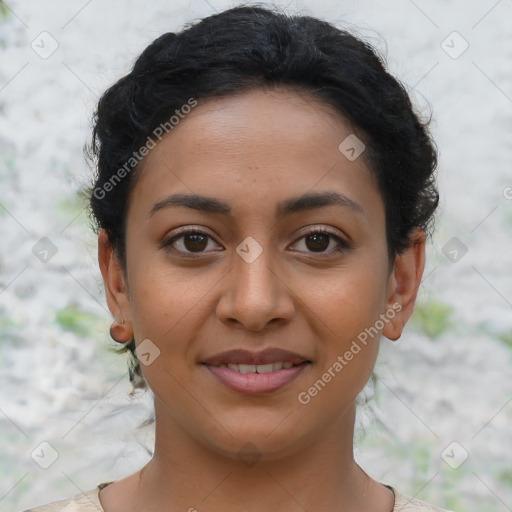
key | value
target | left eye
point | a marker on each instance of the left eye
(195, 241)
(319, 241)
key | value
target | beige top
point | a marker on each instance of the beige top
(89, 502)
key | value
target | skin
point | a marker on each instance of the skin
(252, 151)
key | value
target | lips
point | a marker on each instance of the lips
(240, 370)
(245, 357)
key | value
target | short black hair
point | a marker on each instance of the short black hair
(251, 47)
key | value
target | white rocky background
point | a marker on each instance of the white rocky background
(439, 424)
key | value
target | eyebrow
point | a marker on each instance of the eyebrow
(287, 207)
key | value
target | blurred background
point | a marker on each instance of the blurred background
(437, 423)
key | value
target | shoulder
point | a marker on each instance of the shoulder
(82, 502)
(404, 503)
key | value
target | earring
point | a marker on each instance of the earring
(118, 332)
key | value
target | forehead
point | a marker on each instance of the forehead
(255, 150)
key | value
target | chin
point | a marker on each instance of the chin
(260, 438)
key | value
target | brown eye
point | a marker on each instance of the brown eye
(189, 241)
(318, 241)
(195, 241)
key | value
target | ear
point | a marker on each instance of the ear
(116, 289)
(404, 283)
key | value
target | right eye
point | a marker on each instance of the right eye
(189, 241)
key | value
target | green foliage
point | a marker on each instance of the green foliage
(72, 208)
(4, 18)
(433, 318)
(4, 12)
(5, 320)
(452, 483)
(8, 166)
(505, 476)
(506, 338)
(72, 319)
(8, 327)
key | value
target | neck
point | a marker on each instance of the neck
(321, 474)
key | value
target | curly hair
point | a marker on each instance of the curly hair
(251, 47)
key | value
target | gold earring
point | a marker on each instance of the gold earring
(118, 332)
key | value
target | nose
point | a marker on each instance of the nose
(256, 291)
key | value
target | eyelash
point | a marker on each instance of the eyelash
(343, 245)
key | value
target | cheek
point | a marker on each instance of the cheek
(347, 352)
(161, 303)
(345, 311)
(169, 305)
(348, 300)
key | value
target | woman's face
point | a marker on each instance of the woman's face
(255, 278)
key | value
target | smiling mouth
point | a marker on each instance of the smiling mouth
(257, 379)
(256, 373)
(260, 368)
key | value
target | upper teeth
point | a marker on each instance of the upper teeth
(257, 368)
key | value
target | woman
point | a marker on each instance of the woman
(264, 191)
